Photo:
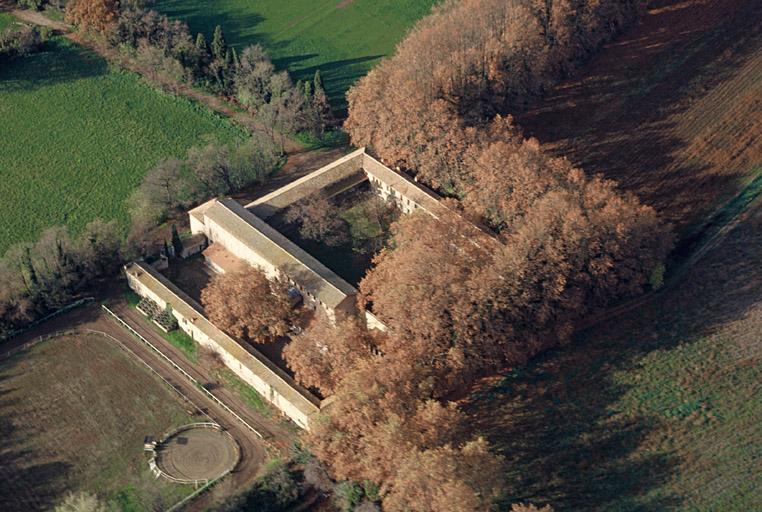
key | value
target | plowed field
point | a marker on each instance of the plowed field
(672, 109)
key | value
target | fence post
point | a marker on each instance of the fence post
(182, 372)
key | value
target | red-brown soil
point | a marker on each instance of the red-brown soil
(672, 109)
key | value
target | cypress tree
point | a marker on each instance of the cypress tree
(236, 60)
(317, 82)
(219, 46)
(177, 243)
(201, 44)
(307, 90)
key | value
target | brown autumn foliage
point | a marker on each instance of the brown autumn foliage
(457, 301)
(98, 15)
(383, 423)
(248, 305)
(566, 243)
(521, 507)
(462, 303)
(324, 353)
(318, 219)
(466, 62)
(446, 479)
(420, 289)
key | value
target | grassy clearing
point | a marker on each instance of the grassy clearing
(657, 410)
(361, 227)
(343, 39)
(6, 20)
(73, 416)
(183, 342)
(78, 137)
(247, 393)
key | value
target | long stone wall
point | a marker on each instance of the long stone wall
(271, 382)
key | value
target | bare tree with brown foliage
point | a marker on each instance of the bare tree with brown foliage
(318, 219)
(472, 59)
(522, 507)
(323, 354)
(421, 288)
(447, 479)
(248, 305)
(98, 15)
(382, 420)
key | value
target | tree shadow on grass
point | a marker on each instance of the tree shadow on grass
(338, 76)
(60, 62)
(550, 421)
(237, 25)
(27, 480)
(560, 421)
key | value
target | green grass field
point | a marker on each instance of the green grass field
(6, 20)
(342, 38)
(74, 412)
(78, 137)
(656, 410)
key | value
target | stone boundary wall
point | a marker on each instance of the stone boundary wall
(268, 380)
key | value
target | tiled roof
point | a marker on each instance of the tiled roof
(282, 253)
(189, 309)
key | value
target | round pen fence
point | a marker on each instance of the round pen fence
(195, 454)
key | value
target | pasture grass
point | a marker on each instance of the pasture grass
(247, 393)
(342, 38)
(656, 410)
(74, 413)
(182, 341)
(78, 138)
(6, 20)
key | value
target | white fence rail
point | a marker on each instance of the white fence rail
(194, 482)
(182, 371)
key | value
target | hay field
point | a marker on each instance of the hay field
(77, 138)
(73, 413)
(343, 38)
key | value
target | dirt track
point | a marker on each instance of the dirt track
(672, 109)
(253, 450)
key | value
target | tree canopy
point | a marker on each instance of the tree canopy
(248, 305)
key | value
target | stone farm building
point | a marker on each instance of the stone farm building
(243, 232)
